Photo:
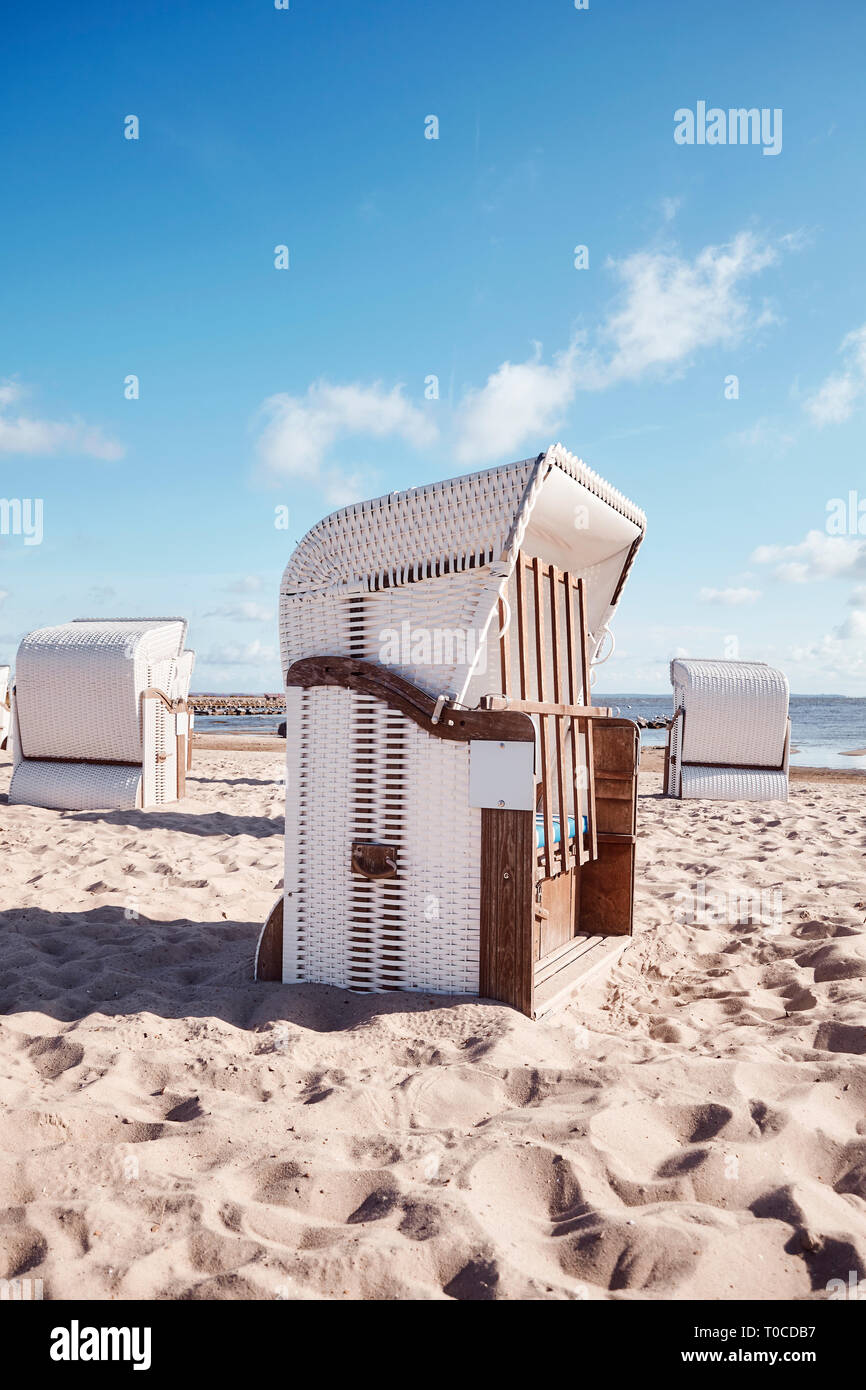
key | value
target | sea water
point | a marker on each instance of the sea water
(823, 727)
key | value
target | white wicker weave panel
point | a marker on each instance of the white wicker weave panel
(358, 770)
(734, 784)
(296, 865)
(433, 560)
(673, 783)
(14, 734)
(443, 527)
(182, 677)
(316, 895)
(736, 711)
(442, 868)
(316, 625)
(441, 524)
(377, 929)
(160, 752)
(486, 677)
(74, 786)
(79, 686)
(423, 630)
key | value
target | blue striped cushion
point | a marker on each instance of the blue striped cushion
(539, 829)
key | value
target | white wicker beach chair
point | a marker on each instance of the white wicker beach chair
(730, 736)
(448, 780)
(100, 715)
(5, 711)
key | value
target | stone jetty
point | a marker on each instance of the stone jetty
(238, 704)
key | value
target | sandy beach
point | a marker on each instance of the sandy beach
(694, 1126)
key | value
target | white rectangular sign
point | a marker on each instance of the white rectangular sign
(501, 775)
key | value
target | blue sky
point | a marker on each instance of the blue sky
(410, 257)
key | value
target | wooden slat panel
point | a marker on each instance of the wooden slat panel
(508, 931)
(571, 639)
(562, 788)
(522, 627)
(544, 731)
(558, 901)
(540, 664)
(578, 726)
(584, 642)
(616, 815)
(607, 885)
(560, 722)
(607, 892)
(554, 577)
(615, 750)
(590, 790)
(572, 648)
(504, 650)
(612, 786)
(587, 726)
(549, 849)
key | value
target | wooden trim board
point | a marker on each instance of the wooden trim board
(387, 685)
(269, 950)
(508, 924)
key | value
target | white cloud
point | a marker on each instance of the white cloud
(670, 208)
(343, 488)
(835, 399)
(233, 654)
(819, 556)
(668, 309)
(247, 584)
(4, 594)
(520, 401)
(301, 430)
(831, 659)
(730, 597)
(853, 627)
(673, 307)
(23, 434)
(248, 612)
(764, 436)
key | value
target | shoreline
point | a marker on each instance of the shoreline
(652, 759)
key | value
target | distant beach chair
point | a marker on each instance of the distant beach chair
(100, 715)
(5, 711)
(730, 737)
(459, 817)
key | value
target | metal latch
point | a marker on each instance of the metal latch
(374, 861)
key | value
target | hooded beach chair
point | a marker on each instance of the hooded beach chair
(730, 736)
(100, 715)
(5, 711)
(459, 818)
